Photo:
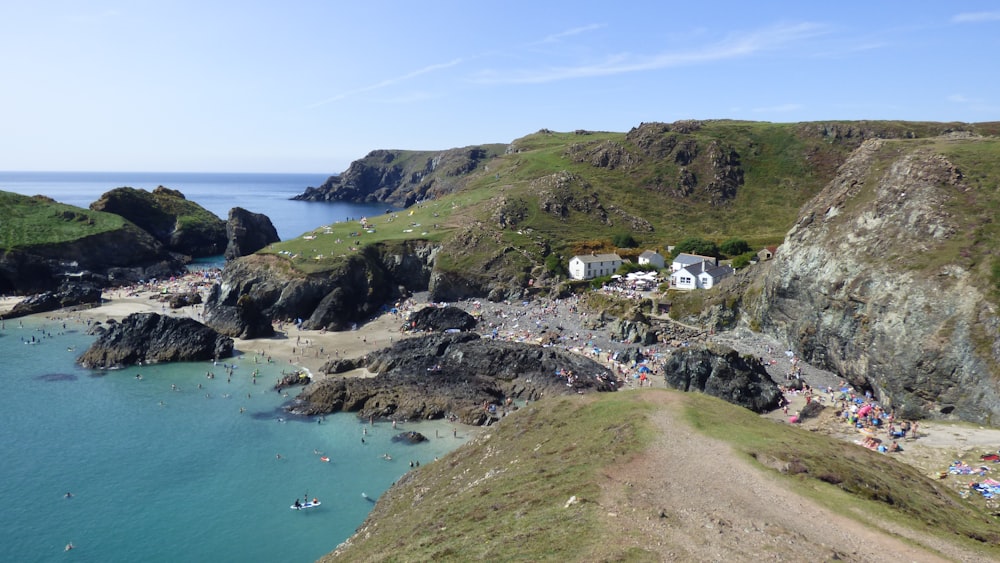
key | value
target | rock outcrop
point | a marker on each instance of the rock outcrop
(111, 258)
(248, 232)
(69, 295)
(741, 380)
(152, 338)
(882, 280)
(182, 226)
(259, 288)
(440, 319)
(402, 177)
(434, 376)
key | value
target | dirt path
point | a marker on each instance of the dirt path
(693, 498)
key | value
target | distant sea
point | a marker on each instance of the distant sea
(218, 192)
(163, 475)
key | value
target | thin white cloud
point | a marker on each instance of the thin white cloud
(386, 83)
(571, 32)
(734, 47)
(976, 17)
(783, 108)
(959, 99)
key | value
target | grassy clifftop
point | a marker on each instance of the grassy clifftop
(657, 475)
(572, 192)
(33, 221)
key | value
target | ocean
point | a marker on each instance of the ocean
(157, 474)
(217, 192)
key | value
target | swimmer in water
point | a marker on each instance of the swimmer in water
(69, 495)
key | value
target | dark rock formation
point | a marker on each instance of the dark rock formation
(440, 319)
(69, 295)
(152, 338)
(178, 300)
(181, 225)
(439, 375)
(118, 257)
(290, 379)
(409, 437)
(402, 177)
(248, 232)
(259, 287)
(741, 380)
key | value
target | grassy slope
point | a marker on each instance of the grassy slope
(501, 498)
(783, 165)
(29, 221)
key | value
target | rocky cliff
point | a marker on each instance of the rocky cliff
(889, 277)
(248, 232)
(182, 226)
(44, 245)
(403, 177)
(258, 288)
(150, 338)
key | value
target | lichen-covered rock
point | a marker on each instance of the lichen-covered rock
(875, 282)
(152, 338)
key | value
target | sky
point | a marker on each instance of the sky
(309, 86)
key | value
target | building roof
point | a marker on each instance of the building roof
(650, 254)
(587, 258)
(685, 258)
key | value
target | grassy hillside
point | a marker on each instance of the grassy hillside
(30, 221)
(504, 496)
(571, 192)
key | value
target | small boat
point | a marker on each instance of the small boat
(299, 506)
(324, 458)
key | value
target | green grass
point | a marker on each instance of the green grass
(846, 478)
(29, 221)
(503, 499)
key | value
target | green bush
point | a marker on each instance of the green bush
(734, 247)
(624, 240)
(694, 245)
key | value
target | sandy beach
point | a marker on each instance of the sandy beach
(937, 444)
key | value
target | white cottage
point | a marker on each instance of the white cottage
(590, 266)
(702, 275)
(652, 258)
(684, 260)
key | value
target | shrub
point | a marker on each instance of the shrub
(734, 247)
(693, 245)
(624, 240)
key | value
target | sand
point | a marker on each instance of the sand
(937, 444)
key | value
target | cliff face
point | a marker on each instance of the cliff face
(117, 257)
(248, 232)
(887, 279)
(181, 225)
(257, 288)
(402, 177)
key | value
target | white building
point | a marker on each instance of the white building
(701, 275)
(590, 266)
(652, 258)
(684, 260)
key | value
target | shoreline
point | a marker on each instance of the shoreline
(308, 350)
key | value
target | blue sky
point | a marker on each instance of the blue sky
(309, 86)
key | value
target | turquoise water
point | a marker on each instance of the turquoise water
(191, 479)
